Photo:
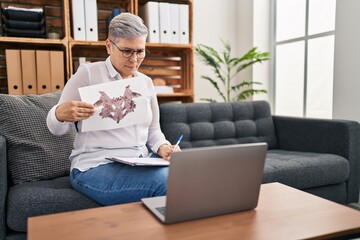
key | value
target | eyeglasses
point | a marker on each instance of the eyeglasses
(128, 53)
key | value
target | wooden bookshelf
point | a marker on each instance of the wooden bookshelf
(171, 62)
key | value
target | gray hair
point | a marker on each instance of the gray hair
(128, 26)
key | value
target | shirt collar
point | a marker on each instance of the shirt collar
(112, 71)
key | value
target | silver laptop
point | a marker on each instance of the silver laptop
(211, 181)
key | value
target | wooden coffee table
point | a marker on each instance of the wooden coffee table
(282, 213)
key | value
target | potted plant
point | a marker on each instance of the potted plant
(53, 34)
(226, 69)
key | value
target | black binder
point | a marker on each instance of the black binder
(22, 23)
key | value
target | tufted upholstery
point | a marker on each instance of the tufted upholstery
(315, 155)
(204, 124)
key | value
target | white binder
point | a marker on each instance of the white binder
(174, 23)
(91, 20)
(78, 17)
(164, 19)
(150, 14)
(184, 23)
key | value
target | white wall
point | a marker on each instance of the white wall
(213, 20)
(347, 64)
(231, 20)
(262, 40)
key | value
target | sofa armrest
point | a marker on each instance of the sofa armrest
(340, 137)
(3, 187)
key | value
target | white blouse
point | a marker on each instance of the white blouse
(92, 148)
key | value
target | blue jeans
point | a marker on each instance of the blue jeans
(116, 183)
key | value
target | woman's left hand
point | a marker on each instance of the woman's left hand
(166, 150)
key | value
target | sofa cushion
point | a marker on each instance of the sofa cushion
(305, 169)
(33, 152)
(210, 124)
(41, 198)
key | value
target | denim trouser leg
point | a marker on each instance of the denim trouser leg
(116, 183)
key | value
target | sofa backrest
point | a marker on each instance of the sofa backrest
(33, 153)
(210, 124)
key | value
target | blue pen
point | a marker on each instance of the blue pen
(178, 142)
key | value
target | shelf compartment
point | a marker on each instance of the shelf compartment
(104, 9)
(3, 73)
(92, 51)
(140, 4)
(54, 12)
(174, 65)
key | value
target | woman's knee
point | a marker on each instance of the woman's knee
(161, 179)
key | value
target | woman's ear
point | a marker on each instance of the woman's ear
(108, 46)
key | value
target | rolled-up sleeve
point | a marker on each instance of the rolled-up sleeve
(55, 126)
(69, 93)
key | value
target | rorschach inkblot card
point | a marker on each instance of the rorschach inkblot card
(117, 104)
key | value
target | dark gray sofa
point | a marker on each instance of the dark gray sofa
(319, 156)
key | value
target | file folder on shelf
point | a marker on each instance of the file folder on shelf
(184, 23)
(28, 66)
(13, 71)
(24, 14)
(43, 71)
(174, 22)
(91, 20)
(164, 20)
(23, 25)
(57, 70)
(150, 14)
(23, 22)
(78, 17)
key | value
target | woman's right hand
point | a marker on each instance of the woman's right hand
(74, 111)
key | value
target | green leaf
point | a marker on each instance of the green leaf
(210, 57)
(208, 99)
(244, 84)
(227, 68)
(248, 93)
(214, 83)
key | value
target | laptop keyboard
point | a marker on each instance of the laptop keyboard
(161, 210)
